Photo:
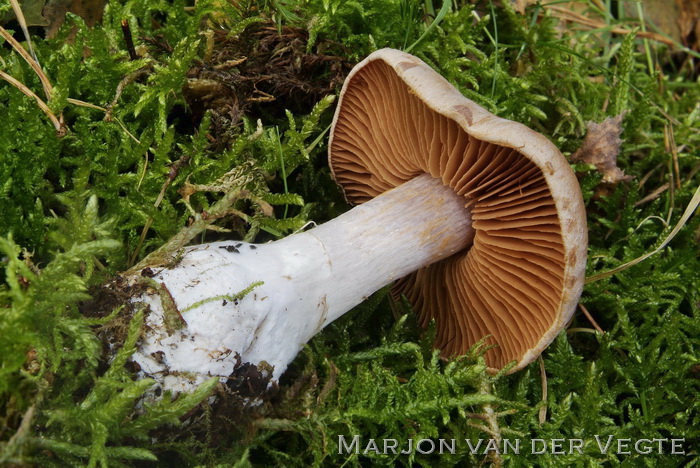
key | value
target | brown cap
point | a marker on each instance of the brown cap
(521, 279)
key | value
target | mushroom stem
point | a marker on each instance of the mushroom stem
(294, 287)
(390, 236)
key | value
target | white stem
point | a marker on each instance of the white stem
(310, 279)
(412, 226)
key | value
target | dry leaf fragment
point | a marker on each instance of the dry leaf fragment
(677, 19)
(520, 5)
(55, 13)
(601, 147)
(52, 13)
(664, 15)
(689, 23)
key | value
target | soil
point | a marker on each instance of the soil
(261, 72)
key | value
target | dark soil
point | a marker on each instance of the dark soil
(262, 72)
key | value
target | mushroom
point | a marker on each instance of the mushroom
(479, 219)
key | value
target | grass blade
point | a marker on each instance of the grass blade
(446, 6)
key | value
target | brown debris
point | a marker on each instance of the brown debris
(51, 14)
(263, 72)
(569, 14)
(677, 19)
(689, 23)
(240, 402)
(55, 13)
(601, 148)
(520, 5)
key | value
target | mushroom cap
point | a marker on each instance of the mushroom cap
(520, 281)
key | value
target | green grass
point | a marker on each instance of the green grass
(131, 173)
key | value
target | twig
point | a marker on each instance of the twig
(231, 184)
(582, 330)
(60, 129)
(34, 63)
(45, 83)
(646, 176)
(128, 38)
(692, 172)
(564, 13)
(330, 383)
(599, 4)
(15, 443)
(673, 148)
(690, 209)
(543, 378)
(168, 251)
(128, 79)
(590, 319)
(174, 170)
(673, 170)
(653, 195)
(77, 102)
(23, 24)
(493, 429)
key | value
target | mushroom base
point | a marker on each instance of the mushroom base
(228, 303)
